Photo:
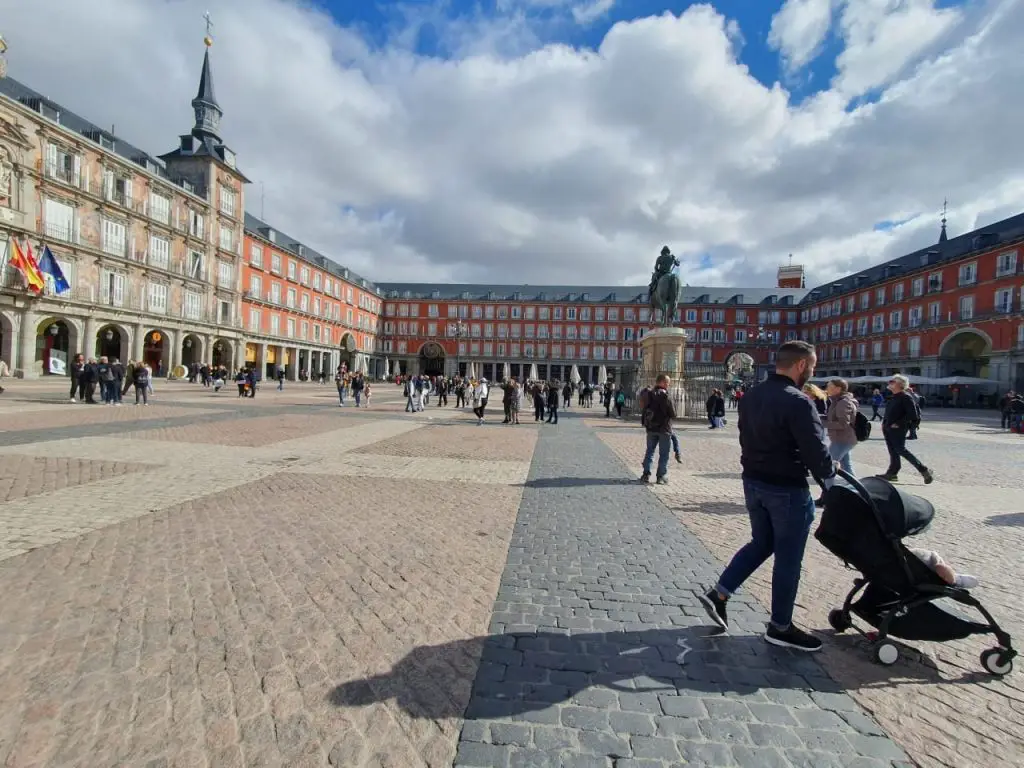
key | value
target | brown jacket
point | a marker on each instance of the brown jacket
(839, 419)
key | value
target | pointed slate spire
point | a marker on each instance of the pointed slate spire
(207, 110)
(942, 233)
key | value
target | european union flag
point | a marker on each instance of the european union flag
(48, 266)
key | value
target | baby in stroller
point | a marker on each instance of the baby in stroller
(944, 571)
(864, 523)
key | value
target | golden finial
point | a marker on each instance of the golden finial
(208, 40)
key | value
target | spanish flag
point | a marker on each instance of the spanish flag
(26, 264)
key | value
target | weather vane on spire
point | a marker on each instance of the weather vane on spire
(208, 40)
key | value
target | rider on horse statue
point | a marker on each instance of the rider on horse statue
(662, 267)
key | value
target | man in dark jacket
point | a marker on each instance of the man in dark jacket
(781, 440)
(658, 413)
(901, 418)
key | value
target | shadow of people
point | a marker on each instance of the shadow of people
(522, 673)
(1010, 519)
(573, 482)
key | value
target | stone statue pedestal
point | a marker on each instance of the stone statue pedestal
(663, 352)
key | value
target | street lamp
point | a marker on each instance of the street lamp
(762, 338)
(461, 331)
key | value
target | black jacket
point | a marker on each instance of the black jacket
(901, 412)
(781, 437)
(659, 411)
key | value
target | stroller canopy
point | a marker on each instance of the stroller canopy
(900, 513)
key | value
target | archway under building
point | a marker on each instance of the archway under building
(113, 341)
(347, 351)
(7, 342)
(192, 350)
(56, 338)
(431, 359)
(740, 365)
(965, 352)
(221, 355)
(154, 347)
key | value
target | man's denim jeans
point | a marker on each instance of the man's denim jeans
(780, 519)
(663, 442)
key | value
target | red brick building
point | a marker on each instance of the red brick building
(443, 328)
(952, 309)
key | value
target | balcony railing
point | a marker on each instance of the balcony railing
(63, 232)
(116, 249)
(63, 174)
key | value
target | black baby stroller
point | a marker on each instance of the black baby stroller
(864, 522)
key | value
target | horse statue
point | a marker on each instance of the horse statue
(663, 292)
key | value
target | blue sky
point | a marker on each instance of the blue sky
(379, 20)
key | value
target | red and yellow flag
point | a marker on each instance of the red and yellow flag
(26, 264)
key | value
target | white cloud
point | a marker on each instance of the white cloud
(799, 29)
(883, 37)
(591, 10)
(541, 163)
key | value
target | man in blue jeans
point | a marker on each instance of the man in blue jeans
(657, 414)
(781, 439)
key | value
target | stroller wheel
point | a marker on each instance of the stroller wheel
(838, 620)
(886, 654)
(997, 661)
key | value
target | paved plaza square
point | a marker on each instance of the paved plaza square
(278, 581)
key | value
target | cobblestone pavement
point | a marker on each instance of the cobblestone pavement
(936, 702)
(601, 656)
(282, 582)
(175, 595)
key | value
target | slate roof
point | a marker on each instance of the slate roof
(589, 293)
(1005, 232)
(17, 91)
(288, 243)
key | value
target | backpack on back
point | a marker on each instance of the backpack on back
(861, 427)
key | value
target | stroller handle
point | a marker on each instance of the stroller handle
(857, 486)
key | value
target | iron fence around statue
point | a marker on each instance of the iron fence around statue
(689, 392)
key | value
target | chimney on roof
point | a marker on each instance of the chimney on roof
(791, 275)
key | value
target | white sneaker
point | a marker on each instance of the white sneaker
(73, 400)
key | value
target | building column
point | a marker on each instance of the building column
(292, 371)
(138, 343)
(207, 349)
(27, 345)
(174, 347)
(88, 342)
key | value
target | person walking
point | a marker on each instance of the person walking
(658, 413)
(1004, 406)
(840, 420)
(901, 417)
(781, 440)
(480, 392)
(553, 403)
(877, 401)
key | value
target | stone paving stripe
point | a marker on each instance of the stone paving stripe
(596, 607)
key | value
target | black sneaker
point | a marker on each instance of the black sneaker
(929, 478)
(679, 459)
(645, 478)
(662, 480)
(715, 606)
(794, 637)
(890, 478)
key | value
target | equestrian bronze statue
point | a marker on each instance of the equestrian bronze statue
(663, 292)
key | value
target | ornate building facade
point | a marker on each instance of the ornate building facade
(151, 247)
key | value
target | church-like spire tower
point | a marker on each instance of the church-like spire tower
(207, 110)
(942, 233)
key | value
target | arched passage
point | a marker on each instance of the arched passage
(432, 358)
(965, 352)
(222, 354)
(112, 341)
(7, 341)
(347, 351)
(154, 351)
(739, 365)
(192, 350)
(56, 338)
